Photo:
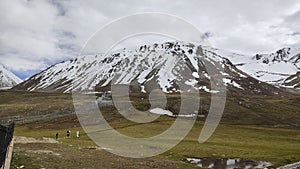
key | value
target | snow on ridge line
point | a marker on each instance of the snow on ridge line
(68, 70)
(160, 62)
(272, 68)
(10, 74)
(7, 78)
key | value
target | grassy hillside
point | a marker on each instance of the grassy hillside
(18, 104)
(253, 127)
(270, 111)
(279, 146)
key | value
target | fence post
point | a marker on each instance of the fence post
(6, 145)
(9, 155)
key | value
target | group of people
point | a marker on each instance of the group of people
(68, 134)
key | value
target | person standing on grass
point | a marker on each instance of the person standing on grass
(68, 133)
(56, 136)
(77, 134)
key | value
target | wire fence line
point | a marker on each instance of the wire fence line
(37, 116)
(7, 124)
(33, 118)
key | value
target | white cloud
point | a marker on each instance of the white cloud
(38, 33)
(256, 37)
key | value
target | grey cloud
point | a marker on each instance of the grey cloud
(295, 34)
(60, 8)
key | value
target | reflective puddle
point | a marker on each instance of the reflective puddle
(222, 163)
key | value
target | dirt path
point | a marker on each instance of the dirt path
(28, 140)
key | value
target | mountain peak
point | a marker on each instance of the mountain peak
(281, 55)
(168, 65)
(7, 78)
(274, 68)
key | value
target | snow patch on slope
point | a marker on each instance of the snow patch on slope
(161, 111)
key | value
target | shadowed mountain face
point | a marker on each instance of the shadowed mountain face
(7, 78)
(168, 65)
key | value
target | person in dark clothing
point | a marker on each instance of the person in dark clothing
(68, 133)
(56, 136)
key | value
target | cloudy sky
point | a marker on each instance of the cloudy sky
(38, 33)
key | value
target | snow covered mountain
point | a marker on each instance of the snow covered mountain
(293, 81)
(7, 78)
(168, 65)
(280, 68)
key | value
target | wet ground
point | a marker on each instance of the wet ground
(222, 163)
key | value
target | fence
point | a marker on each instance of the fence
(6, 136)
(33, 118)
(6, 133)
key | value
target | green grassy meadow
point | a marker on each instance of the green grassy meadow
(279, 146)
(264, 128)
